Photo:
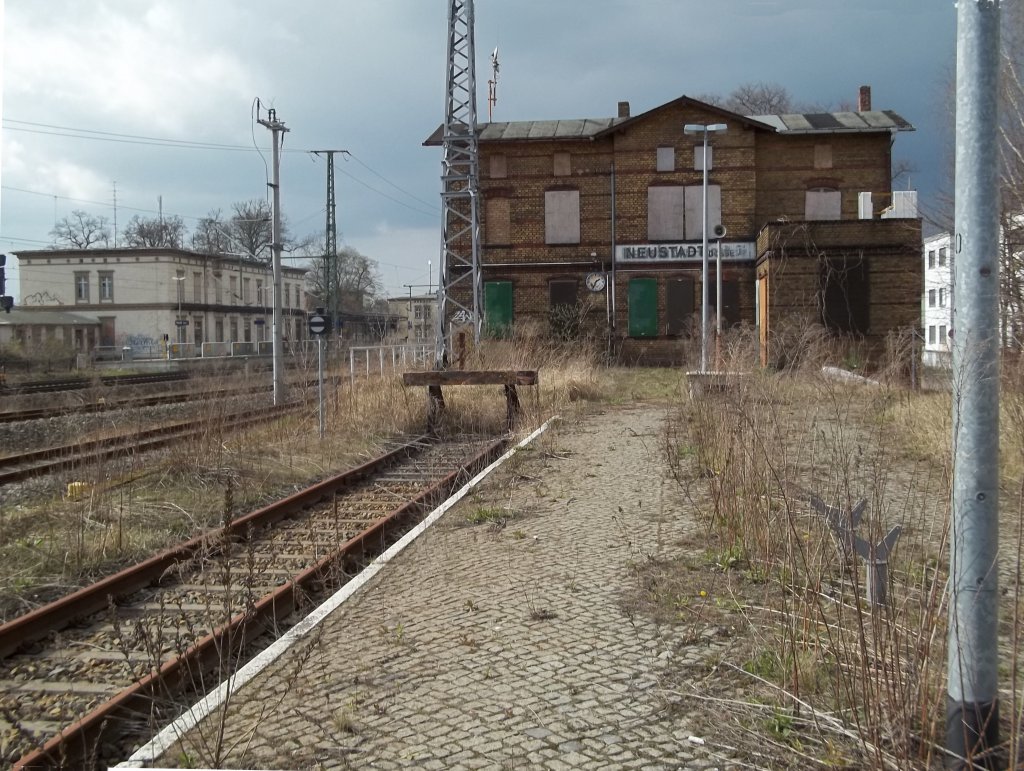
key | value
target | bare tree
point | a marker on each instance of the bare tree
(210, 234)
(154, 231)
(249, 230)
(81, 231)
(1011, 181)
(252, 226)
(758, 98)
(356, 276)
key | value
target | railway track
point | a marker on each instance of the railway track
(115, 402)
(25, 465)
(155, 400)
(76, 672)
(79, 383)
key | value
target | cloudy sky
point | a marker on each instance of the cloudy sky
(105, 94)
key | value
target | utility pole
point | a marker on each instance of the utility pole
(460, 228)
(972, 696)
(277, 129)
(332, 287)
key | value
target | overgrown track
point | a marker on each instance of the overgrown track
(14, 468)
(78, 383)
(114, 401)
(72, 681)
(129, 403)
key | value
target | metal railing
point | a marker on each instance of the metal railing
(378, 359)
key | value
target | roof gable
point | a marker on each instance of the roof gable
(596, 128)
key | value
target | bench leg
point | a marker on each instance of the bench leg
(435, 406)
(512, 402)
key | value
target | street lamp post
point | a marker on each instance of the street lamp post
(178, 325)
(704, 130)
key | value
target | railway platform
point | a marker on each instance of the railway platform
(503, 637)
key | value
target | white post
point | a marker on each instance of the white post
(704, 263)
(704, 131)
(320, 379)
(718, 307)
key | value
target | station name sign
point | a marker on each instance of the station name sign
(732, 251)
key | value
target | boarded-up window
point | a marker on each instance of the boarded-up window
(499, 166)
(497, 307)
(562, 217)
(562, 165)
(666, 160)
(823, 156)
(665, 208)
(498, 224)
(563, 292)
(694, 210)
(846, 298)
(823, 204)
(730, 302)
(564, 308)
(643, 307)
(698, 157)
(679, 306)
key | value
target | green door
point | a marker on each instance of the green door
(643, 307)
(497, 308)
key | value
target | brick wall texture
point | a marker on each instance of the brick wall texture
(764, 179)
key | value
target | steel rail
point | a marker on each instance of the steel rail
(39, 413)
(14, 468)
(77, 384)
(79, 740)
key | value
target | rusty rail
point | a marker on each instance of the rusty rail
(79, 740)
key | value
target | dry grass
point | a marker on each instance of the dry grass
(122, 511)
(817, 676)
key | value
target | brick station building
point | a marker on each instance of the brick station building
(811, 227)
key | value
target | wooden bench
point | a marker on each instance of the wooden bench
(435, 379)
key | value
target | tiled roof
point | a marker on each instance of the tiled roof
(835, 122)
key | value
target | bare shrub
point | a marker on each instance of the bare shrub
(848, 681)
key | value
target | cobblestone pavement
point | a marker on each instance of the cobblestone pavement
(504, 644)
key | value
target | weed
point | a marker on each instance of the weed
(489, 516)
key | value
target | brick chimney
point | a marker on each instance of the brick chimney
(864, 99)
(623, 109)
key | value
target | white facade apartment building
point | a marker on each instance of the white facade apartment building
(416, 317)
(143, 297)
(937, 300)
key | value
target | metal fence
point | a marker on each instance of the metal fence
(379, 359)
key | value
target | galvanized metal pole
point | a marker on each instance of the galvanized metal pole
(704, 263)
(718, 306)
(320, 380)
(972, 716)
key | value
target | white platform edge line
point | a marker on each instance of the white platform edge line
(164, 740)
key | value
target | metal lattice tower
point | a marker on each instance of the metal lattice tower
(332, 292)
(459, 289)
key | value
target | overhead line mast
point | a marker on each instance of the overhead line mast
(459, 286)
(332, 288)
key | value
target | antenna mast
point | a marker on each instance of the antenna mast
(459, 287)
(492, 85)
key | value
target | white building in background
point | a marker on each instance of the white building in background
(144, 297)
(415, 317)
(937, 300)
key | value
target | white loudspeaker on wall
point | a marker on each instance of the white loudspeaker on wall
(718, 231)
